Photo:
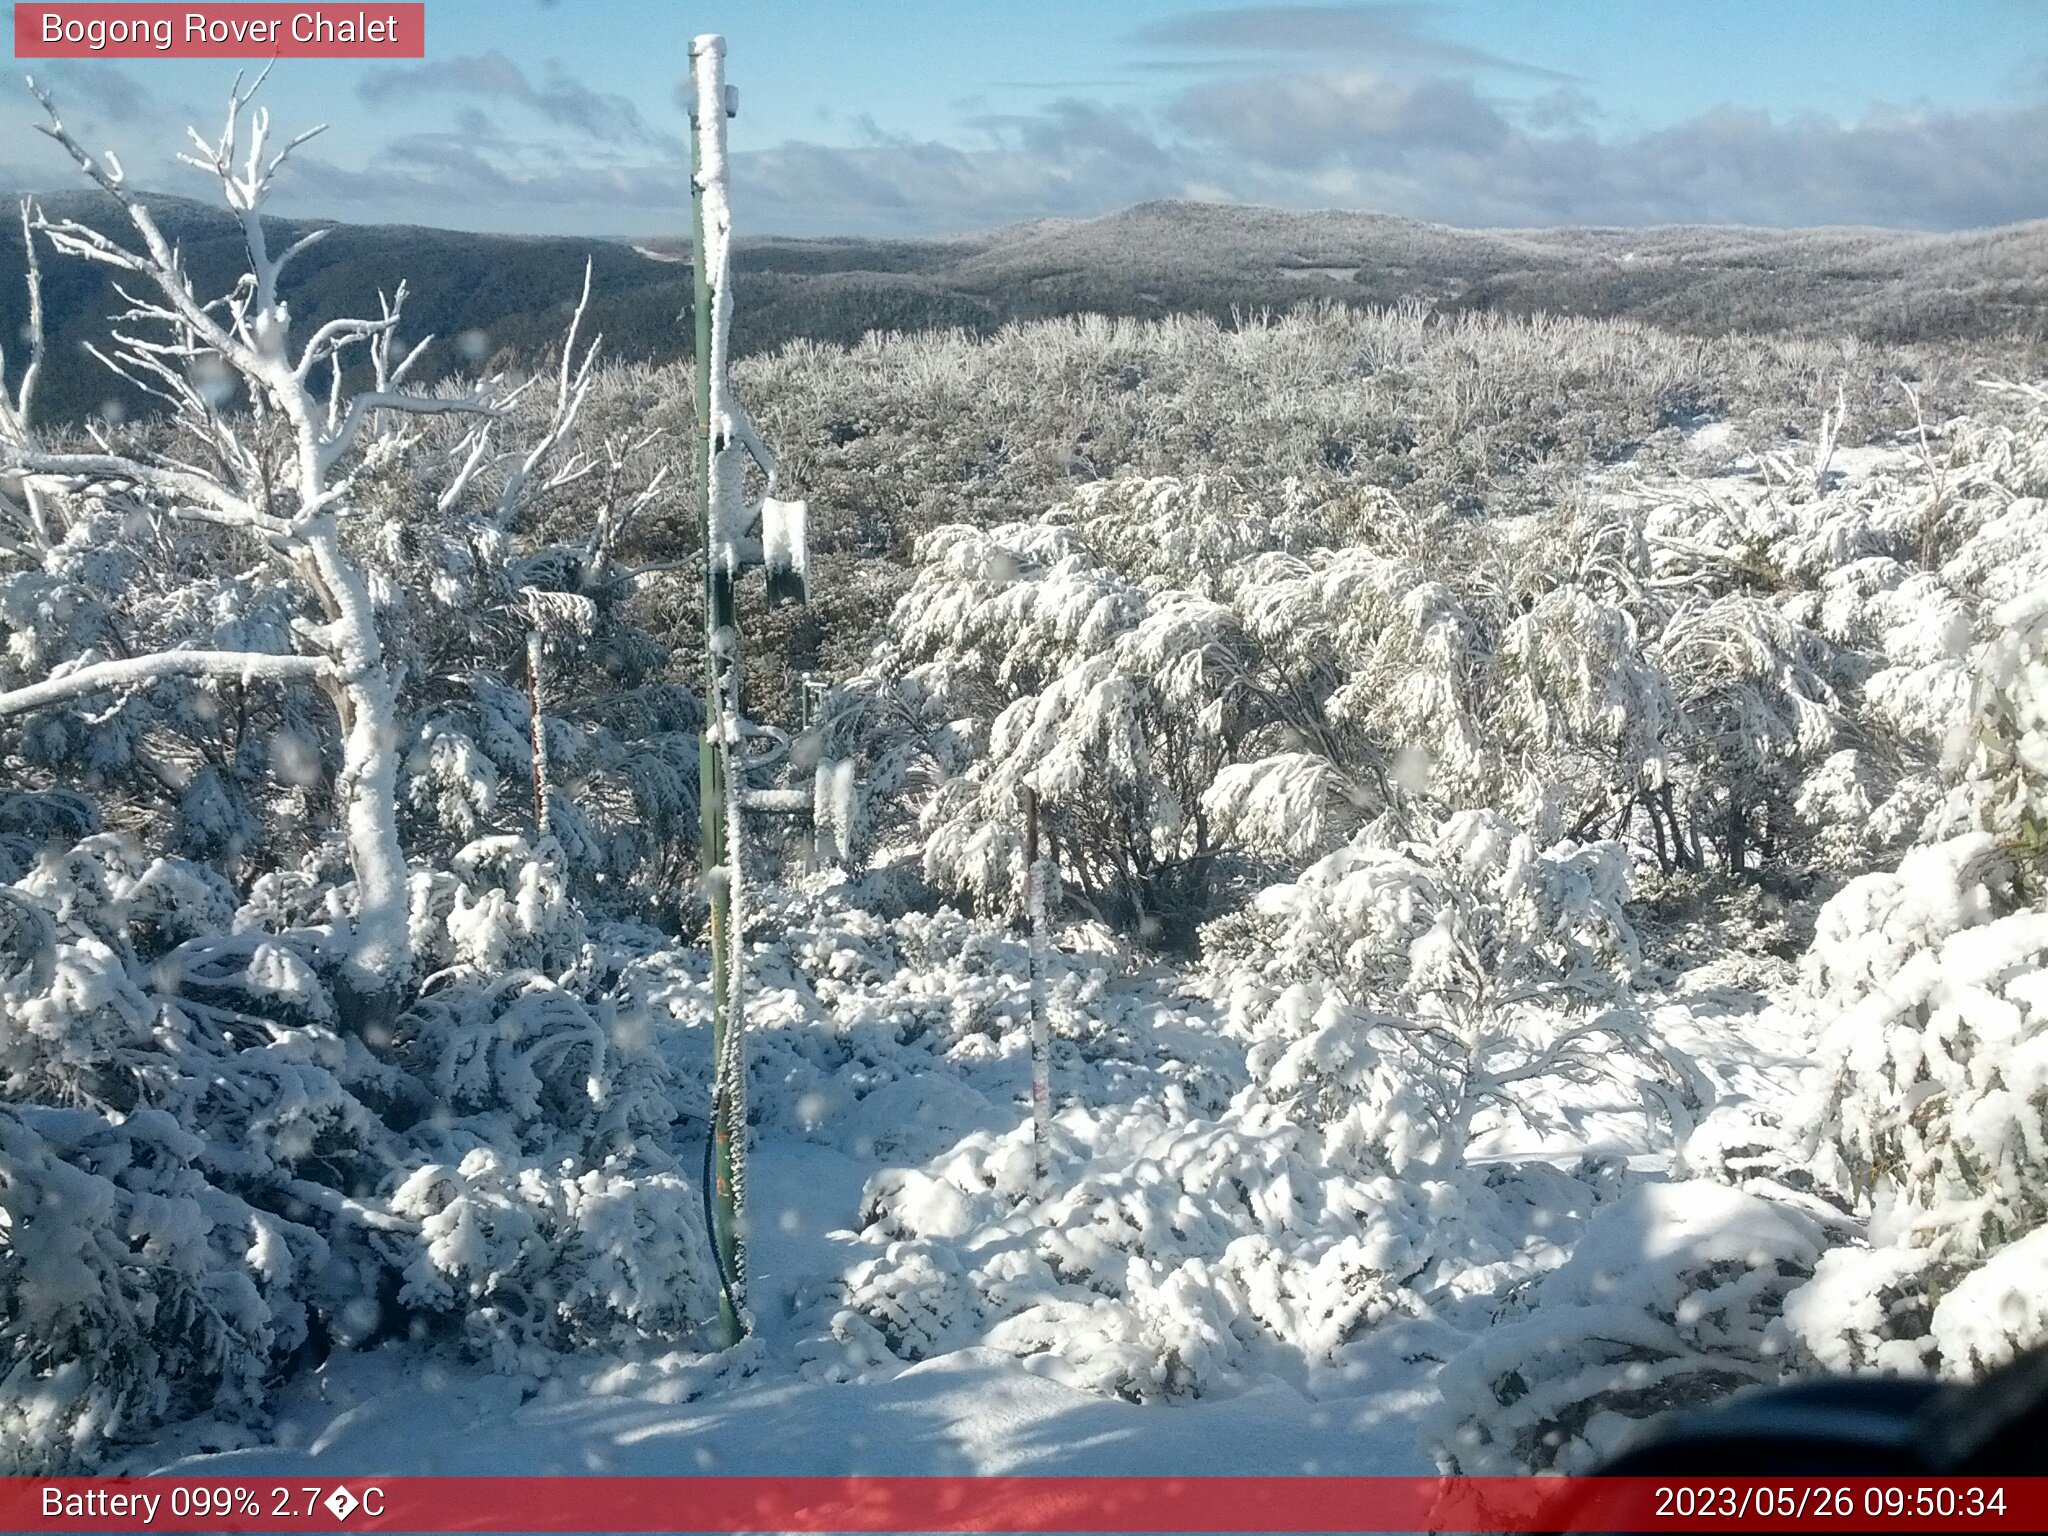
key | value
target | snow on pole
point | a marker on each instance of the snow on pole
(718, 426)
(725, 526)
(731, 1067)
(727, 439)
(1041, 1031)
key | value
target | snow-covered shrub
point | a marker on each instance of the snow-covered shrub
(877, 749)
(1394, 996)
(362, 666)
(863, 1031)
(1996, 1312)
(1175, 1249)
(1670, 1297)
(1755, 707)
(2007, 767)
(1202, 687)
(202, 1172)
(1928, 986)
(501, 904)
(132, 1288)
(622, 767)
(913, 1300)
(529, 1261)
(1928, 992)
(1865, 1309)
(524, 1053)
(1379, 657)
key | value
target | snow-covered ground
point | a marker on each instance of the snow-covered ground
(772, 1406)
(401, 1411)
(787, 1403)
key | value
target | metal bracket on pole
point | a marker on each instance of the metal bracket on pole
(778, 802)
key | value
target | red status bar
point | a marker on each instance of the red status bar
(1016, 1504)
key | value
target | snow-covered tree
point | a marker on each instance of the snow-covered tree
(1755, 709)
(468, 522)
(306, 1038)
(1116, 705)
(283, 478)
(1347, 664)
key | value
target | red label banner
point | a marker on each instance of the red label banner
(1018, 1504)
(100, 30)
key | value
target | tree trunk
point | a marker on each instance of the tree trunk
(1734, 834)
(367, 789)
(1656, 830)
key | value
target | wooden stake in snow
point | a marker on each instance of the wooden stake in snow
(537, 733)
(1041, 1029)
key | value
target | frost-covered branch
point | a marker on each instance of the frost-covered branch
(17, 413)
(159, 261)
(23, 405)
(173, 485)
(572, 387)
(363, 405)
(133, 671)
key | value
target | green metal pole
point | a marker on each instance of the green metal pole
(719, 626)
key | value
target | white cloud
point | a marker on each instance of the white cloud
(1380, 31)
(560, 99)
(1433, 147)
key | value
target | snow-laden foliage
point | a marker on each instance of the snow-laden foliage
(1929, 989)
(133, 1288)
(1494, 732)
(1197, 679)
(533, 1260)
(1192, 1233)
(340, 756)
(1180, 1252)
(241, 772)
(1189, 1231)
(1748, 683)
(1392, 997)
(1440, 750)
(1118, 707)
(1670, 1297)
(202, 1174)
(1890, 1218)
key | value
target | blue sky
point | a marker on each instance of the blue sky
(927, 116)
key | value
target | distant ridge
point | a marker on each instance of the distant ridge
(507, 297)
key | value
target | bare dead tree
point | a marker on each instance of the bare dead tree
(196, 356)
